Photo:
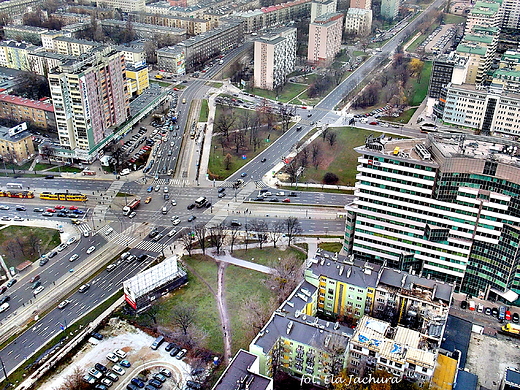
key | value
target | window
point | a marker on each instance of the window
(383, 360)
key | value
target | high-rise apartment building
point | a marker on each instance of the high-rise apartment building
(275, 57)
(323, 7)
(511, 14)
(325, 38)
(389, 9)
(358, 21)
(484, 13)
(90, 98)
(446, 207)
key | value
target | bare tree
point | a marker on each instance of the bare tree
(187, 242)
(182, 316)
(315, 152)
(257, 313)
(292, 229)
(225, 122)
(276, 231)
(200, 234)
(233, 235)
(286, 113)
(260, 227)
(217, 235)
(331, 137)
(285, 277)
(74, 381)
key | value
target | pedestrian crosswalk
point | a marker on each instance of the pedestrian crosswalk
(171, 182)
(260, 184)
(152, 246)
(122, 239)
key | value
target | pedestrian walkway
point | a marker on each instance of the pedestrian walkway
(151, 246)
(171, 182)
(84, 228)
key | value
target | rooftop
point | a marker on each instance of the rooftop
(239, 372)
(328, 18)
(472, 49)
(4, 135)
(484, 8)
(26, 28)
(512, 377)
(486, 39)
(20, 101)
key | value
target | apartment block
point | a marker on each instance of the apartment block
(319, 8)
(511, 14)
(299, 343)
(145, 31)
(90, 99)
(137, 78)
(41, 62)
(402, 352)
(390, 9)
(123, 5)
(17, 7)
(361, 4)
(479, 61)
(349, 288)
(275, 15)
(134, 54)
(510, 60)
(20, 109)
(325, 38)
(483, 13)
(24, 33)
(443, 208)
(192, 26)
(72, 46)
(48, 38)
(275, 58)
(243, 373)
(16, 144)
(14, 54)
(358, 21)
(172, 59)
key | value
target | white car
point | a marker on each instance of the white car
(86, 234)
(95, 373)
(174, 202)
(172, 232)
(112, 357)
(280, 193)
(120, 353)
(165, 190)
(61, 247)
(73, 257)
(63, 304)
(108, 231)
(125, 172)
(111, 267)
(38, 290)
(176, 221)
(71, 240)
(4, 307)
(132, 214)
(91, 249)
(118, 369)
(107, 382)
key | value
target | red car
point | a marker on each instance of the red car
(175, 89)
(508, 315)
(287, 200)
(51, 210)
(59, 207)
(304, 108)
(73, 208)
(373, 123)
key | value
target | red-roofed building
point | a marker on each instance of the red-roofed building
(20, 109)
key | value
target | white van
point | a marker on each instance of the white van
(472, 305)
(480, 308)
(164, 210)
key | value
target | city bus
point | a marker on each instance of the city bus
(14, 186)
(200, 202)
(428, 128)
(69, 196)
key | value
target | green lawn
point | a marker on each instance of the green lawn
(340, 159)
(267, 256)
(331, 246)
(403, 118)
(197, 295)
(453, 19)
(289, 92)
(418, 87)
(66, 169)
(16, 243)
(41, 167)
(413, 46)
(241, 283)
(204, 111)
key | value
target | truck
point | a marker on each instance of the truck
(511, 329)
(131, 206)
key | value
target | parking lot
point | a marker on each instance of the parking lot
(136, 344)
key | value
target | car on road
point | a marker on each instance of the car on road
(181, 354)
(50, 211)
(62, 247)
(153, 233)
(38, 290)
(4, 307)
(263, 160)
(235, 222)
(112, 357)
(191, 218)
(4, 299)
(97, 336)
(191, 206)
(298, 128)
(165, 190)
(515, 318)
(221, 189)
(18, 218)
(158, 237)
(259, 199)
(118, 369)
(221, 195)
(157, 188)
(4, 207)
(59, 207)
(47, 214)
(35, 278)
(44, 261)
(71, 240)
(174, 202)
(6, 218)
(111, 267)
(508, 315)
(287, 200)
(487, 310)
(149, 189)
(172, 232)
(132, 214)
(373, 123)
(148, 200)
(64, 303)
(142, 257)
(84, 288)
(91, 249)
(125, 363)
(176, 221)
(11, 282)
(243, 174)
(52, 254)
(38, 210)
(109, 231)
(20, 208)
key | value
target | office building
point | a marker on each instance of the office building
(402, 352)
(358, 21)
(275, 58)
(319, 8)
(18, 109)
(16, 144)
(90, 99)
(243, 373)
(445, 208)
(447, 68)
(325, 38)
(390, 9)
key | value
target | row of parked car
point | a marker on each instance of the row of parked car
(501, 313)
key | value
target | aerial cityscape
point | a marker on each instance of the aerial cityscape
(260, 195)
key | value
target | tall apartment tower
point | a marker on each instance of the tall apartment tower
(362, 4)
(90, 98)
(319, 8)
(446, 208)
(511, 14)
(325, 38)
(275, 57)
(389, 9)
